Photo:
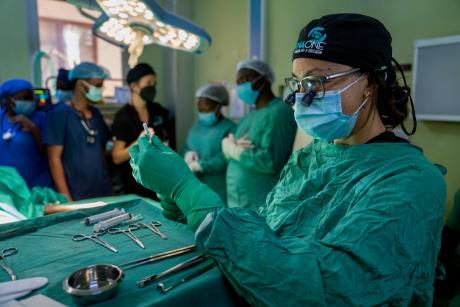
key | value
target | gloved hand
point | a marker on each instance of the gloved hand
(230, 149)
(160, 169)
(45, 196)
(171, 210)
(195, 167)
(245, 142)
(191, 156)
(157, 167)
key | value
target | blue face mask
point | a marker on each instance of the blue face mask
(324, 118)
(24, 107)
(207, 119)
(94, 93)
(246, 93)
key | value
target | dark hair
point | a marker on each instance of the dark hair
(391, 99)
(62, 82)
(139, 71)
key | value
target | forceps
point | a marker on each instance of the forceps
(94, 237)
(5, 253)
(153, 227)
(128, 232)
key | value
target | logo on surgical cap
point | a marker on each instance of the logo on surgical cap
(314, 44)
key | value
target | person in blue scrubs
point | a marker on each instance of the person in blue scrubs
(21, 129)
(76, 135)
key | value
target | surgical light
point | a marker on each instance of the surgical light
(135, 23)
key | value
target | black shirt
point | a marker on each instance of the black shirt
(127, 127)
(387, 137)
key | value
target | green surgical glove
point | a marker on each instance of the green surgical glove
(171, 210)
(159, 168)
(46, 196)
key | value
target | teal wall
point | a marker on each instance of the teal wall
(227, 23)
(407, 21)
(156, 56)
(14, 44)
(175, 72)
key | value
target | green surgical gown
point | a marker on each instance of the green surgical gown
(272, 131)
(30, 203)
(206, 141)
(355, 225)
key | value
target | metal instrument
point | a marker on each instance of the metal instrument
(158, 257)
(191, 276)
(153, 227)
(4, 264)
(129, 233)
(95, 238)
(147, 131)
(94, 283)
(177, 268)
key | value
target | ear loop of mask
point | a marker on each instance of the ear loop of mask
(256, 80)
(350, 85)
(87, 86)
(414, 118)
(361, 106)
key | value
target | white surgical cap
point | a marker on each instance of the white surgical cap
(215, 92)
(259, 66)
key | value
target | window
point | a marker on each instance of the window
(67, 38)
(66, 42)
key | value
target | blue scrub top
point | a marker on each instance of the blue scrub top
(84, 164)
(22, 153)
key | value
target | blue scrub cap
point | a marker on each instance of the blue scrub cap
(259, 66)
(87, 70)
(11, 87)
(214, 92)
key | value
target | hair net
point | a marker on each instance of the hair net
(259, 66)
(11, 87)
(215, 92)
(87, 70)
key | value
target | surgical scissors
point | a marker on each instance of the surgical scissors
(94, 237)
(153, 227)
(128, 232)
(4, 264)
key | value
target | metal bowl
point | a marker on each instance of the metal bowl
(94, 283)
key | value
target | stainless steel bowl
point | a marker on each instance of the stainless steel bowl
(94, 283)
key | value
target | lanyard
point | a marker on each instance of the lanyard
(86, 123)
(88, 127)
(8, 135)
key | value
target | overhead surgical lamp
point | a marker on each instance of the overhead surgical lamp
(135, 23)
